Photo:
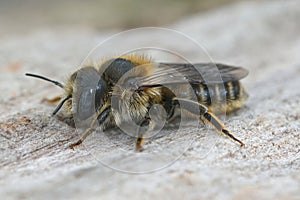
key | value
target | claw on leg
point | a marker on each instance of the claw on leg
(226, 132)
(138, 144)
(71, 146)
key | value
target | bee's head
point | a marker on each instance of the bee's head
(89, 93)
(85, 91)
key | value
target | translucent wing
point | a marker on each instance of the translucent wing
(207, 73)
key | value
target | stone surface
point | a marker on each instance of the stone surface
(35, 160)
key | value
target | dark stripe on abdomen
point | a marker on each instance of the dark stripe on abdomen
(202, 92)
(232, 90)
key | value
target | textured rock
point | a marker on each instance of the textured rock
(35, 160)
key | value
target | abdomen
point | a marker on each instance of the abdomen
(219, 98)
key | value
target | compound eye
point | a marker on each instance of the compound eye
(85, 91)
(86, 104)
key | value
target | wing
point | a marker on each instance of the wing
(208, 73)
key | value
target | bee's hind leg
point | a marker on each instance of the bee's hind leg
(207, 117)
(217, 124)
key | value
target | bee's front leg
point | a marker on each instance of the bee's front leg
(98, 118)
(84, 134)
(140, 134)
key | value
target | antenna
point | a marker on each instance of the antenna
(61, 104)
(46, 79)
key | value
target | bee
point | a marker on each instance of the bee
(89, 93)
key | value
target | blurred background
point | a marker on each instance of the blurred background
(18, 16)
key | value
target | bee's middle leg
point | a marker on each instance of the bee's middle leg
(140, 134)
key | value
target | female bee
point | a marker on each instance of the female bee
(125, 88)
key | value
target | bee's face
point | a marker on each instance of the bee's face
(89, 93)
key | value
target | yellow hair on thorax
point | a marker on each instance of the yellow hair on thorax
(139, 59)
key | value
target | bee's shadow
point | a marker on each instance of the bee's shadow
(66, 119)
(116, 136)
